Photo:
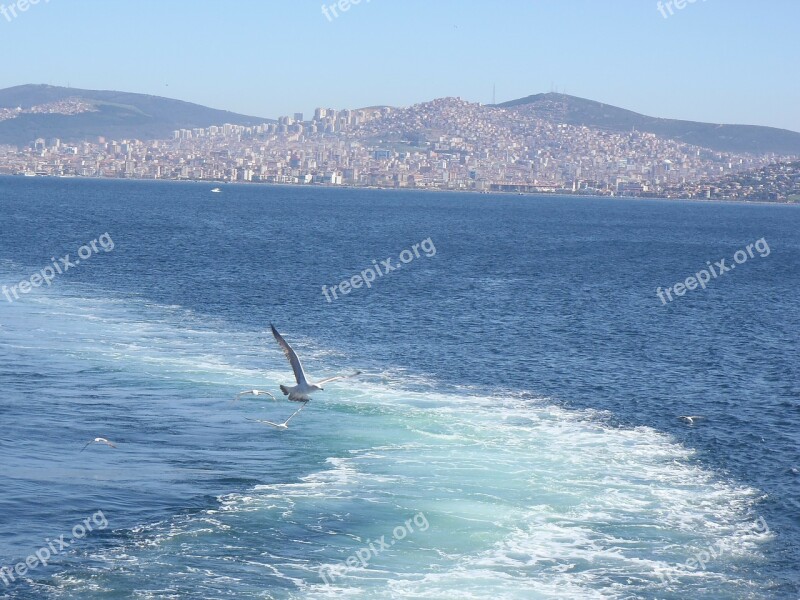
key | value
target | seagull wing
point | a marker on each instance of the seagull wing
(338, 377)
(270, 423)
(98, 441)
(299, 374)
(285, 424)
(295, 412)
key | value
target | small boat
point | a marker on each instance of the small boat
(216, 190)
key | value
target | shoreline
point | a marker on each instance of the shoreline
(573, 195)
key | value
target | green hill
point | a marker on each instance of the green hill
(119, 115)
(725, 138)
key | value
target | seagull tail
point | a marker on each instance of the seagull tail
(285, 390)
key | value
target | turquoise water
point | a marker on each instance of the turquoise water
(514, 434)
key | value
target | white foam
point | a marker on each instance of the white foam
(524, 498)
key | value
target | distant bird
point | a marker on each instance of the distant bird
(285, 424)
(252, 393)
(98, 441)
(303, 390)
(689, 420)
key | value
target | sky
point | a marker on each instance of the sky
(721, 61)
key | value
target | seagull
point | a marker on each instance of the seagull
(98, 441)
(285, 424)
(689, 420)
(303, 390)
(252, 393)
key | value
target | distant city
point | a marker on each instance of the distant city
(445, 144)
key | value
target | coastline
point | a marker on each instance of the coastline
(213, 182)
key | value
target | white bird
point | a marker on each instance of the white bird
(303, 390)
(98, 441)
(285, 424)
(252, 393)
(690, 419)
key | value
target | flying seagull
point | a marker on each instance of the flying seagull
(299, 393)
(285, 424)
(98, 441)
(689, 420)
(252, 393)
(303, 390)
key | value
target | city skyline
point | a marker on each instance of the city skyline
(680, 59)
(445, 144)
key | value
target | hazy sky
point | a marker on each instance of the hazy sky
(731, 61)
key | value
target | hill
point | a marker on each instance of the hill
(572, 110)
(75, 114)
(28, 112)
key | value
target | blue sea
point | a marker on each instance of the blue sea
(514, 434)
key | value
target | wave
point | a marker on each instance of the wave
(523, 497)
